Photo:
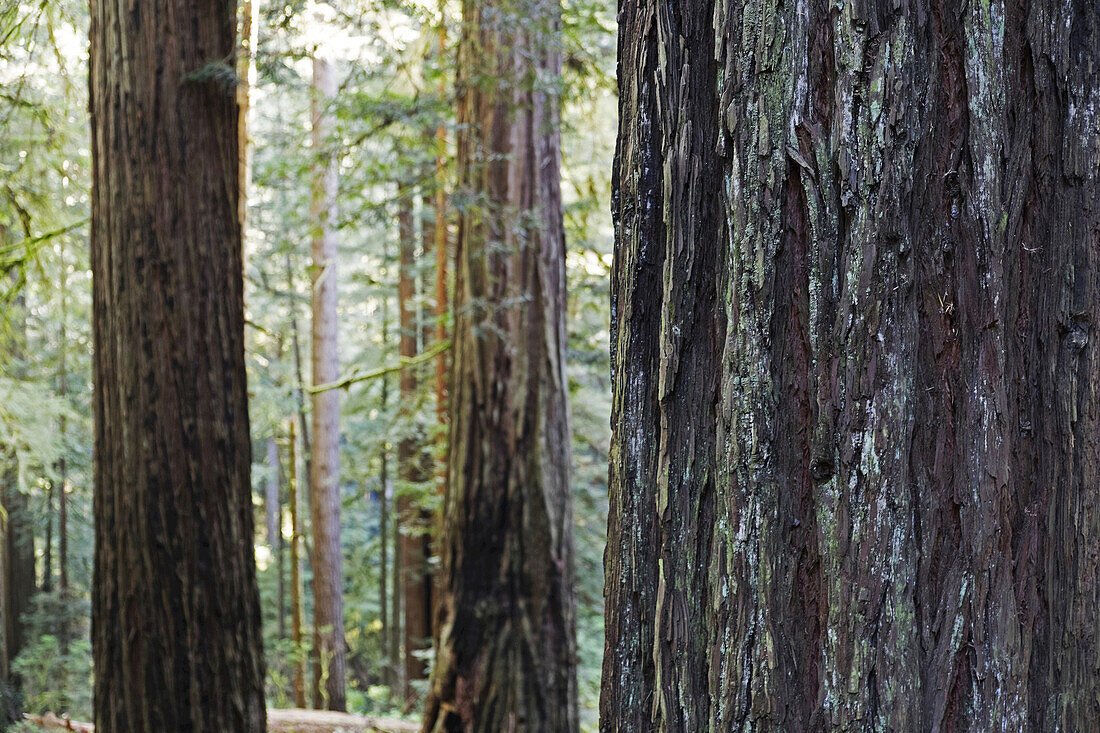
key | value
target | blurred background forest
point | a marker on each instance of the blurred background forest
(392, 136)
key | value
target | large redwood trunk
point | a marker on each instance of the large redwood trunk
(176, 623)
(506, 649)
(855, 476)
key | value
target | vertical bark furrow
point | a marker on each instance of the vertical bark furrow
(176, 626)
(506, 650)
(688, 369)
(630, 586)
(905, 520)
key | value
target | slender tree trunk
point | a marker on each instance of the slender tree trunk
(383, 537)
(62, 463)
(273, 511)
(396, 620)
(63, 480)
(300, 392)
(248, 21)
(296, 569)
(271, 493)
(47, 545)
(439, 233)
(19, 574)
(414, 578)
(506, 656)
(176, 619)
(328, 573)
(388, 653)
(440, 236)
(303, 425)
(854, 468)
(18, 554)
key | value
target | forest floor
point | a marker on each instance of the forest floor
(278, 721)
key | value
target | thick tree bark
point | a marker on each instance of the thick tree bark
(506, 652)
(176, 621)
(854, 470)
(328, 565)
(416, 601)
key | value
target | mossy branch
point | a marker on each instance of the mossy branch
(403, 363)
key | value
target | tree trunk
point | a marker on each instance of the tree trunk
(396, 620)
(19, 576)
(271, 493)
(296, 570)
(389, 653)
(16, 539)
(439, 233)
(62, 463)
(854, 469)
(248, 20)
(176, 619)
(47, 546)
(273, 511)
(414, 576)
(303, 425)
(506, 655)
(328, 572)
(440, 236)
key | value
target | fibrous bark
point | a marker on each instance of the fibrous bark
(506, 649)
(176, 622)
(854, 476)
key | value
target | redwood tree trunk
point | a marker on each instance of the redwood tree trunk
(854, 475)
(416, 602)
(176, 621)
(293, 500)
(324, 497)
(506, 652)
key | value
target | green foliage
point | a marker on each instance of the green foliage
(57, 677)
(396, 88)
(220, 73)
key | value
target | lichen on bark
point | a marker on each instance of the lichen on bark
(890, 519)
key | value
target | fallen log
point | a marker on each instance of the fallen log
(51, 722)
(278, 721)
(322, 721)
